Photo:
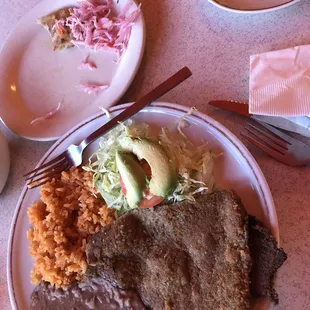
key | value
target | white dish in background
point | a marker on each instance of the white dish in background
(235, 168)
(252, 6)
(34, 78)
(4, 161)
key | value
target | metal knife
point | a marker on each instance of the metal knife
(286, 123)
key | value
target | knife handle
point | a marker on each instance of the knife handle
(150, 97)
(232, 106)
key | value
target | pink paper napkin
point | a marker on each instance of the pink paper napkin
(280, 82)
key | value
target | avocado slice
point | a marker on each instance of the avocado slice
(133, 176)
(164, 175)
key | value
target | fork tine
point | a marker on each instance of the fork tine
(31, 185)
(51, 173)
(34, 185)
(51, 168)
(270, 143)
(278, 133)
(275, 139)
(45, 165)
(48, 177)
(263, 147)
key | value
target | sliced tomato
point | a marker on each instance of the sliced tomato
(150, 201)
(146, 167)
(123, 187)
(59, 30)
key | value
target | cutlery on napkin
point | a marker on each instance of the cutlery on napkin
(280, 86)
(300, 125)
(280, 82)
(279, 90)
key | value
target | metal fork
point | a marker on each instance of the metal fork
(277, 144)
(73, 156)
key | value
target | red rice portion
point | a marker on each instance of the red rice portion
(61, 222)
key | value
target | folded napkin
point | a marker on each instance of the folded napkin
(280, 82)
(280, 86)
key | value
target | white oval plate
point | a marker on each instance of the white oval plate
(252, 6)
(235, 169)
(4, 161)
(34, 78)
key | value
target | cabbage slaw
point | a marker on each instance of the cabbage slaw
(194, 163)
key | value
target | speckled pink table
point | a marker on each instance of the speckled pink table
(216, 45)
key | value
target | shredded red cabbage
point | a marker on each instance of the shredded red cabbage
(91, 88)
(87, 64)
(48, 115)
(93, 26)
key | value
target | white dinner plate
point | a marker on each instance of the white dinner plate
(252, 6)
(34, 78)
(234, 169)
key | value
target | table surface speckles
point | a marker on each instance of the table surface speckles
(216, 45)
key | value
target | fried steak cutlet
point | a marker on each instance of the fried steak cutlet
(267, 259)
(189, 255)
(54, 23)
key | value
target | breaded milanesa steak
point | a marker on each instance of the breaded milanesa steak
(189, 255)
(267, 258)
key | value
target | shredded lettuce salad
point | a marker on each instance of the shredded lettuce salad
(194, 163)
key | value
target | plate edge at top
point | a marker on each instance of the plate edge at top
(254, 11)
